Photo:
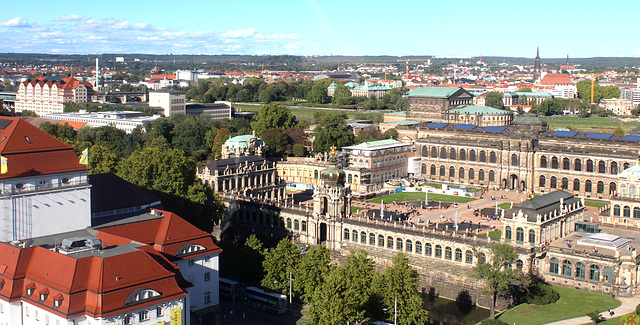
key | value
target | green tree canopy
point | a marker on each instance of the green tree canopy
(276, 142)
(311, 271)
(494, 99)
(332, 130)
(401, 281)
(101, 160)
(524, 90)
(498, 273)
(273, 116)
(278, 263)
(342, 96)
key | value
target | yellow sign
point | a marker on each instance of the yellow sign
(4, 165)
(84, 158)
(630, 319)
(176, 316)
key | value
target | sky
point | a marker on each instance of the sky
(583, 28)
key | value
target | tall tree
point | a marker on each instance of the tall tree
(498, 273)
(101, 160)
(311, 271)
(318, 93)
(342, 95)
(276, 142)
(494, 99)
(332, 130)
(278, 263)
(401, 282)
(273, 116)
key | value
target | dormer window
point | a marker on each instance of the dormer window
(44, 294)
(31, 287)
(19, 186)
(57, 300)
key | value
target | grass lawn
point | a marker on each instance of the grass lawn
(492, 234)
(302, 113)
(572, 303)
(590, 124)
(506, 205)
(419, 196)
(594, 204)
(355, 209)
(613, 321)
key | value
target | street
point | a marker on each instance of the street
(251, 316)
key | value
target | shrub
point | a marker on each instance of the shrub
(638, 309)
(541, 294)
(489, 321)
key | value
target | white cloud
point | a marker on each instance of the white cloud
(15, 22)
(239, 33)
(72, 18)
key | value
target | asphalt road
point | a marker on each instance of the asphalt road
(245, 315)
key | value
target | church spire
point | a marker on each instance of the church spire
(537, 68)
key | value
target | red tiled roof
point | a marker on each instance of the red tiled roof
(74, 124)
(556, 79)
(31, 151)
(162, 76)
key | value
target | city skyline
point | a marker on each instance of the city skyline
(329, 27)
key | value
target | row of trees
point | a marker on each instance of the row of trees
(352, 292)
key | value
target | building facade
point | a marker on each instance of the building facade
(171, 101)
(243, 145)
(122, 120)
(45, 95)
(618, 106)
(428, 103)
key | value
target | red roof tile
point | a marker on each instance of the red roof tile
(556, 79)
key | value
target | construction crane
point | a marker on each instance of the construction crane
(407, 61)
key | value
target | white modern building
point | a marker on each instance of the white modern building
(46, 95)
(171, 101)
(123, 120)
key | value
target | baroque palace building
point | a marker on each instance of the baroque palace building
(524, 156)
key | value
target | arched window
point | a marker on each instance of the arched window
(354, 236)
(616, 210)
(600, 187)
(554, 266)
(587, 186)
(566, 268)
(468, 257)
(296, 225)
(542, 181)
(427, 249)
(443, 153)
(626, 211)
(399, 244)
(418, 248)
(438, 251)
(472, 155)
(380, 241)
(372, 239)
(577, 165)
(554, 182)
(346, 234)
(492, 176)
(472, 174)
(463, 154)
(390, 242)
(442, 170)
(492, 157)
(554, 162)
(452, 153)
(452, 171)
(532, 237)
(448, 253)
(350, 179)
(424, 169)
(425, 151)
(632, 190)
(623, 189)
(636, 213)
(519, 265)
(580, 271)
(481, 175)
(288, 223)
(434, 152)
(458, 255)
(625, 166)
(409, 246)
(566, 164)
(315, 174)
(482, 156)
(460, 172)
(602, 167)
(519, 236)
(565, 183)
(612, 188)
(363, 237)
(514, 160)
(543, 161)
(607, 275)
(614, 168)
(590, 166)
(433, 170)
(576, 184)
(507, 233)
(594, 273)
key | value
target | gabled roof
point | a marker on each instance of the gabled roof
(31, 151)
(556, 79)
